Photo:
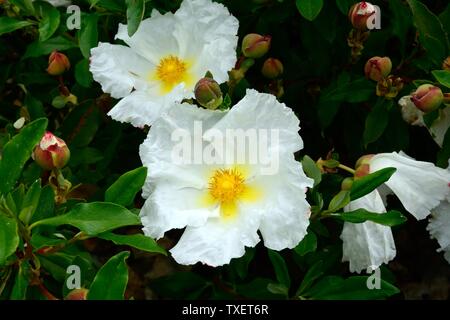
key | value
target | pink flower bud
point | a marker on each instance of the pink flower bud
(255, 45)
(272, 68)
(427, 97)
(359, 13)
(208, 94)
(362, 166)
(57, 63)
(51, 152)
(377, 68)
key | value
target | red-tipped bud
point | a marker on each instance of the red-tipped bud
(208, 94)
(51, 152)
(377, 68)
(362, 166)
(77, 294)
(57, 63)
(359, 13)
(272, 68)
(427, 97)
(255, 45)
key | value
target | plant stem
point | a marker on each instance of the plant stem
(348, 169)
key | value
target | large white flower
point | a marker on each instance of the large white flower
(439, 227)
(165, 58)
(367, 245)
(419, 185)
(224, 204)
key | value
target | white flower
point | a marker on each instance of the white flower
(439, 227)
(223, 206)
(165, 58)
(439, 127)
(367, 245)
(419, 185)
(410, 113)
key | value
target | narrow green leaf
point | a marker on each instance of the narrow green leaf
(17, 151)
(135, 13)
(8, 24)
(339, 201)
(311, 169)
(309, 9)
(138, 241)
(88, 35)
(314, 272)
(49, 22)
(308, 244)
(390, 218)
(30, 202)
(377, 121)
(9, 238)
(94, 218)
(281, 270)
(442, 76)
(38, 48)
(367, 184)
(19, 291)
(124, 190)
(111, 280)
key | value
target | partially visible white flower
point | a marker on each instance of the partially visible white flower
(419, 185)
(223, 205)
(367, 245)
(439, 127)
(59, 3)
(410, 113)
(165, 58)
(439, 227)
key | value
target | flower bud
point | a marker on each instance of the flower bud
(77, 294)
(389, 87)
(410, 113)
(363, 166)
(208, 93)
(57, 63)
(347, 184)
(51, 152)
(255, 45)
(377, 68)
(427, 97)
(446, 64)
(272, 68)
(359, 13)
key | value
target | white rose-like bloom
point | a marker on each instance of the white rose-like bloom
(439, 227)
(165, 58)
(367, 245)
(223, 206)
(419, 185)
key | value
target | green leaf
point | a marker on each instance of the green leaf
(428, 24)
(124, 190)
(281, 270)
(377, 121)
(49, 22)
(46, 206)
(88, 35)
(308, 244)
(9, 237)
(82, 73)
(339, 201)
(111, 280)
(138, 241)
(442, 76)
(38, 48)
(311, 169)
(135, 13)
(8, 24)
(30, 202)
(309, 9)
(17, 151)
(344, 5)
(315, 272)
(180, 285)
(240, 265)
(390, 218)
(19, 291)
(35, 107)
(367, 184)
(94, 218)
(352, 288)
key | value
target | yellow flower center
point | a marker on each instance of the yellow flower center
(171, 71)
(226, 185)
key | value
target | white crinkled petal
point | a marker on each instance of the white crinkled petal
(118, 69)
(367, 245)
(439, 227)
(216, 242)
(59, 3)
(142, 108)
(263, 111)
(440, 126)
(285, 211)
(419, 185)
